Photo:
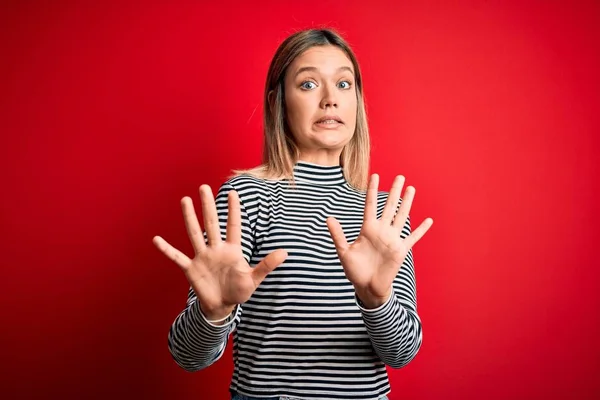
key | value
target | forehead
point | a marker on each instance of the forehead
(323, 57)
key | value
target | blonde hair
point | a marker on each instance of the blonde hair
(280, 152)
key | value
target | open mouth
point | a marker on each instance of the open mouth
(329, 120)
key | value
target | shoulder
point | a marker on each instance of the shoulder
(243, 181)
(249, 188)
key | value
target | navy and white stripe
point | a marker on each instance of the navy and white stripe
(303, 333)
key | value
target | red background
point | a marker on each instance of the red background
(111, 113)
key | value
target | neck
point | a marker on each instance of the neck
(322, 175)
(324, 159)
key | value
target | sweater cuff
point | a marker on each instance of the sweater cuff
(378, 312)
(207, 325)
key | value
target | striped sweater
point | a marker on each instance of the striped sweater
(304, 333)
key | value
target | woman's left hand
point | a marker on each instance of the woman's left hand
(372, 261)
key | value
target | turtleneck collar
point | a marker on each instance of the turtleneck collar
(318, 174)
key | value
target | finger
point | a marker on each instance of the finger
(418, 233)
(391, 204)
(192, 225)
(337, 234)
(171, 252)
(234, 218)
(211, 218)
(405, 206)
(268, 264)
(370, 212)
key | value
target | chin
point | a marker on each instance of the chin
(332, 142)
(326, 138)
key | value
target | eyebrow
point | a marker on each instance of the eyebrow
(303, 69)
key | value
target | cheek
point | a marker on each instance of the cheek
(352, 109)
(293, 116)
(295, 110)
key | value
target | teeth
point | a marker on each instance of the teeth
(328, 121)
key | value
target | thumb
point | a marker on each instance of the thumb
(268, 264)
(337, 234)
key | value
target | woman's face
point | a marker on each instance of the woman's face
(320, 83)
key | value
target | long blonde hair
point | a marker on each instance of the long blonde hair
(280, 151)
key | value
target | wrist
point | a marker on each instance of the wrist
(370, 301)
(216, 315)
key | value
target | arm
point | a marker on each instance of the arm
(194, 342)
(395, 326)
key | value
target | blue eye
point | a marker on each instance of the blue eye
(304, 83)
(347, 87)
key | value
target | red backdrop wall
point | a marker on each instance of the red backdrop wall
(112, 113)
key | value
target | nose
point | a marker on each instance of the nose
(329, 97)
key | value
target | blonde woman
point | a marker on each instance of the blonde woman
(303, 260)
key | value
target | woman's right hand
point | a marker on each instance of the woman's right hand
(219, 274)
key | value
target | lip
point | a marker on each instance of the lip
(321, 125)
(326, 117)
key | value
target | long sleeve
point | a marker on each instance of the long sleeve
(395, 326)
(195, 343)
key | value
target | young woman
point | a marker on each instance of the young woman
(303, 259)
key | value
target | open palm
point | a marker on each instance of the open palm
(372, 261)
(218, 273)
